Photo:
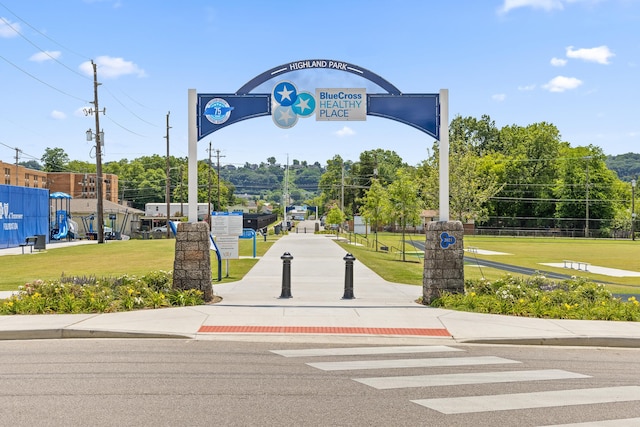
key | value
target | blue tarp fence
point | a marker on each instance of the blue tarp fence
(24, 212)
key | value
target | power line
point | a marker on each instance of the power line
(42, 81)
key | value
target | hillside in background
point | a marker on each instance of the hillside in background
(627, 166)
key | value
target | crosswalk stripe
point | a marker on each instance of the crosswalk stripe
(385, 383)
(546, 399)
(604, 423)
(410, 363)
(359, 351)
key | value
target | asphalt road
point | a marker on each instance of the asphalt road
(195, 383)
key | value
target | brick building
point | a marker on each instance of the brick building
(77, 185)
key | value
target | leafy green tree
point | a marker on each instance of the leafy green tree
(405, 204)
(531, 155)
(474, 180)
(31, 164)
(481, 136)
(79, 166)
(373, 164)
(584, 183)
(336, 217)
(54, 160)
(375, 206)
(336, 182)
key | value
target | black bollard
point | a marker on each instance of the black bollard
(348, 276)
(286, 275)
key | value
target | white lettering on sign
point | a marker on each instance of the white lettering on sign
(301, 65)
(341, 104)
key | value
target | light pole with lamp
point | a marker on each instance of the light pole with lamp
(633, 209)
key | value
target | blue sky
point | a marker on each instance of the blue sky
(572, 63)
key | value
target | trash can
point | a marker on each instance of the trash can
(277, 229)
(41, 242)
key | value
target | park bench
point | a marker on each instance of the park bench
(29, 241)
(579, 264)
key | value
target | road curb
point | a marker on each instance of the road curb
(564, 341)
(49, 334)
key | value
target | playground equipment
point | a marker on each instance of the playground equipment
(62, 226)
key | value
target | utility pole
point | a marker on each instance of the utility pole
(17, 152)
(167, 195)
(99, 142)
(218, 172)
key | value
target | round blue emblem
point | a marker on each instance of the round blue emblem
(304, 105)
(217, 111)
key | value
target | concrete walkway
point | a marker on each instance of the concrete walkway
(381, 312)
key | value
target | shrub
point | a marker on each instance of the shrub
(538, 296)
(88, 294)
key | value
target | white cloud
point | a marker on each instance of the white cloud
(45, 56)
(562, 83)
(558, 62)
(546, 5)
(345, 131)
(600, 54)
(109, 67)
(58, 115)
(527, 87)
(499, 97)
(8, 29)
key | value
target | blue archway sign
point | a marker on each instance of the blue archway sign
(417, 110)
(210, 112)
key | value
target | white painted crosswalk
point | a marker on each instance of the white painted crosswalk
(498, 370)
(385, 383)
(410, 363)
(544, 399)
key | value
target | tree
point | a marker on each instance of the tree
(31, 164)
(530, 171)
(584, 182)
(375, 206)
(405, 204)
(373, 164)
(331, 181)
(54, 160)
(336, 217)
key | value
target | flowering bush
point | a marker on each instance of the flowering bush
(95, 295)
(537, 296)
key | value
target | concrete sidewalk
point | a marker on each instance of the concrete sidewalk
(381, 312)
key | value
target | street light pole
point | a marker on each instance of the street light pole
(633, 209)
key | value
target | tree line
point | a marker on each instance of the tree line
(523, 177)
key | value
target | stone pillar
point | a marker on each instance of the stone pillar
(443, 260)
(192, 263)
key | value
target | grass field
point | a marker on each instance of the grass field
(114, 258)
(522, 251)
(137, 257)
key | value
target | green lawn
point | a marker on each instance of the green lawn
(114, 258)
(524, 252)
(137, 257)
